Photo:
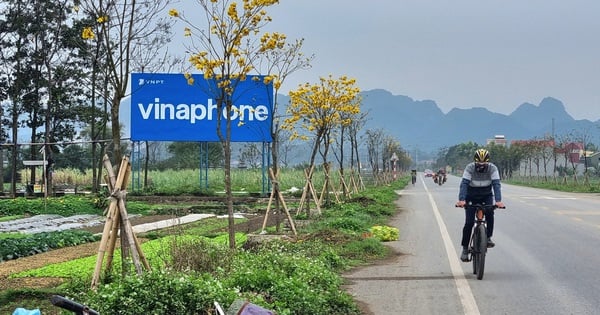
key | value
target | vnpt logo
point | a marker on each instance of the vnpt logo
(142, 81)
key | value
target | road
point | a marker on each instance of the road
(545, 260)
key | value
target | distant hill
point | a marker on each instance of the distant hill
(423, 125)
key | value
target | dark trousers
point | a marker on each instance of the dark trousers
(470, 221)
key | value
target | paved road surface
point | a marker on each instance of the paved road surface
(545, 260)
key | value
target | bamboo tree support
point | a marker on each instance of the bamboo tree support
(326, 190)
(343, 186)
(361, 183)
(276, 193)
(355, 187)
(113, 229)
(131, 237)
(117, 223)
(308, 189)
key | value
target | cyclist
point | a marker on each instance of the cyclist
(413, 174)
(480, 184)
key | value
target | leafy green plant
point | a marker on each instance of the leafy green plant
(13, 248)
(385, 233)
(160, 292)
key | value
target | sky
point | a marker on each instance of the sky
(458, 53)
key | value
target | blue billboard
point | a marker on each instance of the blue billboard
(165, 107)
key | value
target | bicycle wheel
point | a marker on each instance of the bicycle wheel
(474, 250)
(481, 251)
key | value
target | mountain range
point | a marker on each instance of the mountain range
(423, 125)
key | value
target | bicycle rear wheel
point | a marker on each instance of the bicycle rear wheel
(481, 251)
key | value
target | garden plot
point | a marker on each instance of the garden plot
(49, 223)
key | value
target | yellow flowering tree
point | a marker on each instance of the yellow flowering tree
(224, 47)
(319, 109)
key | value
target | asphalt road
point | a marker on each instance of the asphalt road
(545, 260)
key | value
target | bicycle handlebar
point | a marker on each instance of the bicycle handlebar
(69, 305)
(477, 205)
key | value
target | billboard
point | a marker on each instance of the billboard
(164, 107)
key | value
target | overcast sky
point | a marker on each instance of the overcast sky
(495, 54)
(458, 53)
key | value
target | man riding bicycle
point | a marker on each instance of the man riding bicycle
(480, 184)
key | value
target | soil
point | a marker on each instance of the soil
(74, 252)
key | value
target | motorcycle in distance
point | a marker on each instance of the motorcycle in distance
(439, 177)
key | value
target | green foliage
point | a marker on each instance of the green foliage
(385, 233)
(65, 206)
(28, 299)
(289, 277)
(160, 292)
(290, 283)
(592, 186)
(364, 250)
(12, 235)
(13, 248)
(156, 251)
(10, 217)
(187, 154)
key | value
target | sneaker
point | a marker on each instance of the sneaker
(465, 255)
(491, 243)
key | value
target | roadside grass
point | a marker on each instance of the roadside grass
(581, 185)
(291, 277)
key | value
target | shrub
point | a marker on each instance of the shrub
(160, 292)
(385, 233)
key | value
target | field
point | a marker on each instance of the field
(34, 290)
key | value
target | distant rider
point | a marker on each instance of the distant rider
(441, 174)
(480, 184)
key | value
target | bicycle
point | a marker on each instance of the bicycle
(479, 241)
(414, 176)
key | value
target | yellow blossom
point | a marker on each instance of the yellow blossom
(174, 13)
(187, 32)
(102, 19)
(267, 80)
(88, 33)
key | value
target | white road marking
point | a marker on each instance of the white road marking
(464, 290)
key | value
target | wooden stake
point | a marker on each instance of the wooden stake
(276, 193)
